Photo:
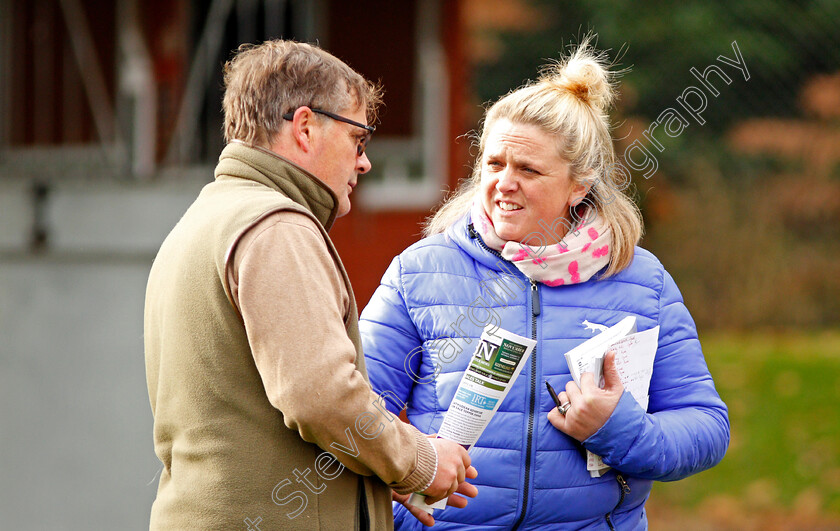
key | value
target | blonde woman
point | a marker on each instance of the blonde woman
(542, 242)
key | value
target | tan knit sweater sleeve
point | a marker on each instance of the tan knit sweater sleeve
(294, 304)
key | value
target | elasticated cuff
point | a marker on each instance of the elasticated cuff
(613, 440)
(424, 471)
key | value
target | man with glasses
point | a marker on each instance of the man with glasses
(263, 414)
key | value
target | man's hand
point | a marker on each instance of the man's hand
(591, 406)
(454, 500)
(453, 463)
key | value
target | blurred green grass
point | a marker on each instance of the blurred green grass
(783, 393)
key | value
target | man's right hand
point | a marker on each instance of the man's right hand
(453, 470)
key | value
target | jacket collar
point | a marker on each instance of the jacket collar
(272, 170)
(472, 244)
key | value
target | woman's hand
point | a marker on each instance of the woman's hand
(591, 406)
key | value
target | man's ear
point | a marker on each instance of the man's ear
(302, 128)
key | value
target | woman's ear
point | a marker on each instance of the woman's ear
(579, 191)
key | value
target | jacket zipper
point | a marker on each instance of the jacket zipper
(535, 311)
(474, 235)
(625, 490)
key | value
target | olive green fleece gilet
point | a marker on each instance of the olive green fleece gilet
(229, 459)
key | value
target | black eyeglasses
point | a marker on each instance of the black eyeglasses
(363, 142)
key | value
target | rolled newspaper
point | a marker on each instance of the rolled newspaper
(498, 359)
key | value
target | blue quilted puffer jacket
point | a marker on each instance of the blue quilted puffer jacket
(433, 303)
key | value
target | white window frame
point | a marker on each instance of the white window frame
(429, 146)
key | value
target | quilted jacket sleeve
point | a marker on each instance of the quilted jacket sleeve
(686, 428)
(391, 342)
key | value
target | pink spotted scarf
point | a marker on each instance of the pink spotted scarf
(585, 252)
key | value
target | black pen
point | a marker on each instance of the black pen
(553, 394)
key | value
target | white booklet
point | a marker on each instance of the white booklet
(634, 355)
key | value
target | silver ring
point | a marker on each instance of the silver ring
(564, 408)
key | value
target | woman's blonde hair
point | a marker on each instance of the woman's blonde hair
(263, 82)
(570, 101)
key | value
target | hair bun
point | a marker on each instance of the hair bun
(584, 75)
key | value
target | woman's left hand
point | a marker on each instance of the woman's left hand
(590, 406)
